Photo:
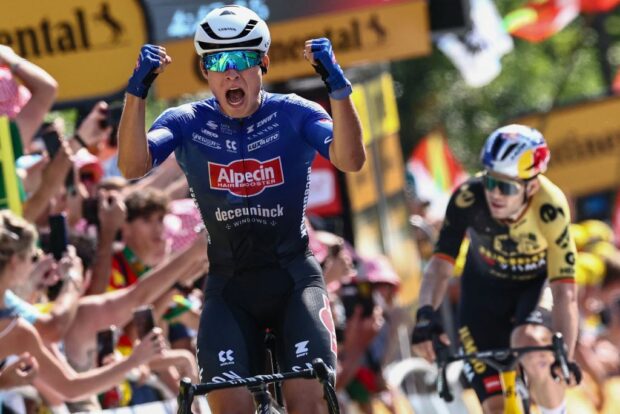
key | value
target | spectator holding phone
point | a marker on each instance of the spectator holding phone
(98, 312)
(140, 218)
(17, 248)
(46, 271)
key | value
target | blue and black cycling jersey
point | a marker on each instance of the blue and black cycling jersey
(250, 177)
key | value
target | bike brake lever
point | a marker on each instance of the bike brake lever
(186, 396)
(561, 359)
(441, 355)
(442, 384)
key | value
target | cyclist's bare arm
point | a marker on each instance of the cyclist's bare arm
(565, 314)
(432, 291)
(347, 151)
(435, 281)
(134, 159)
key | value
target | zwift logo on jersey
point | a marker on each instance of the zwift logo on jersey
(246, 178)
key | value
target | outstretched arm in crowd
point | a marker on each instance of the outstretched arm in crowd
(42, 87)
(97, 312)
(52, 182)
(65, 381)
(20, 372)
(112, 212)
(53, 326)
(359, 333)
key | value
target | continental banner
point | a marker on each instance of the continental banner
(584, 140)
(89, 47)
(368, 34)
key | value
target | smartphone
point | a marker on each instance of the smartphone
(70, 182)
(357, 294)
(106, 342)
(143, 320)
(90, 210)
(51, 139)
(59, 235)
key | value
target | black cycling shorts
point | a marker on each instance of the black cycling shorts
(488, 313)
(291, 302)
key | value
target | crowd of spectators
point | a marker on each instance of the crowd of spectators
(132, 244)
(142, 242)
(122, 246)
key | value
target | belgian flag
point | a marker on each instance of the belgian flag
(10, 148)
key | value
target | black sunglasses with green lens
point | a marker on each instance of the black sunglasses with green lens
(505, 187)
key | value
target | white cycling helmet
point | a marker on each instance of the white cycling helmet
(231, 28)
(516, 151)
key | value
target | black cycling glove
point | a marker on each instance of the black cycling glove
(428, 325)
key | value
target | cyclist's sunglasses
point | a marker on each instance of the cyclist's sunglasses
(505, 187)
(237, 59)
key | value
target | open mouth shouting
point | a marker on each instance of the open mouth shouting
(235, 97)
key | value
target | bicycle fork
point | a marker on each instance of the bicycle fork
(512, 405)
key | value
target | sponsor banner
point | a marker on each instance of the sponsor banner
(90, 48)
(392, 165)
(325, 198)
(375, 102)
(174, 20)
(392, 31)
(403, 251)
(362, 187)
(584, 139)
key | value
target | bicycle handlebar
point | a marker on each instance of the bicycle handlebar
(318, 371)
(444, 358)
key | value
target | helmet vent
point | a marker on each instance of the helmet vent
(247, 29)
(239, 45)
(227, 12)
(509, 150)
(497, 144)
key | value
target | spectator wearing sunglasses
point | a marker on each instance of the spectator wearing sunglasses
(247, 155)
(517, 221)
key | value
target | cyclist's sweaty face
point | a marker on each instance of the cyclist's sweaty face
(504, 196)
(237, 91)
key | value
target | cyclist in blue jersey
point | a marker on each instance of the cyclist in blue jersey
(247, 155)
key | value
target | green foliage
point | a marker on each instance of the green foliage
(534, 78)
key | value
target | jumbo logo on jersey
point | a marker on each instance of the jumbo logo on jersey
(246, 178)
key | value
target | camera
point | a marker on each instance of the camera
(359, 293)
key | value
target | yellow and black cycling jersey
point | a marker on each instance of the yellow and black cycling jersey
(536, 245)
